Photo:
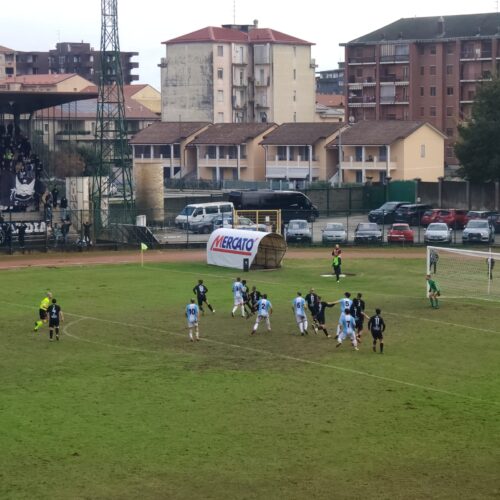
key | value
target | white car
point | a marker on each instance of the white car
(478, 230)
(438, 232)
(334, 232)
(226, 220)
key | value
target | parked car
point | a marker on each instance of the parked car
(385, 213)
(334, 232)
(298, 230)
(438, 232)
(367, 232)
(429, 216)
(478, 230)
(453, 217)
(226, 220)
(205, 226)
(411, 213)
(400, 233)
(495, 221)
(197, 212)
(478, 214)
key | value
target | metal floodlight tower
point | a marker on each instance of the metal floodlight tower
(111, 141)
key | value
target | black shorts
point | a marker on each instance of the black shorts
(53, 323)
(320, 319)
(359, 324)
(377, 335)
(42, 313)
(201, 300)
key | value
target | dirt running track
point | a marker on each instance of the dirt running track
(150, 256)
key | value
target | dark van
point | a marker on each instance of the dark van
(293, 204)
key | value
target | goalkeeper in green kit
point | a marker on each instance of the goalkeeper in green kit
(433, 292)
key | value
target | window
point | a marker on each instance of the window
(220, 73)
(449, 69)
(422, 70)
(422, 111)
(432, 70)
(421, 50)
(449, 132)
(220, 50)
(220, 96)
(450, 48)
(359, 72)
(422, 92)
(294, 95)
(422, 151)
(359, 176)
(432, 91)
(294, 74)
(450, 152)
(432, 49)
(433, 111)
(449, 90)
(449, 111)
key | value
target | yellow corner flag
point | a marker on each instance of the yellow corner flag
(144, 246)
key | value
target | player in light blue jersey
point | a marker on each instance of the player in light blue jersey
(192, 315)
(299, 309)
(238, 297)
(345, 304)
(264, 311)
(348, 330)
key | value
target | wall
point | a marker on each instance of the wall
(150, 98)
(187, 83)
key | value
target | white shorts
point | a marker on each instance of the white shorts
(344, 335)
(299, 318)
(262, 318)
(192, 324)
(238, 301)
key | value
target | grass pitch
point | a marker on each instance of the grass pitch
(125, 407)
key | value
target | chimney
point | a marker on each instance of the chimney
(441, 26)
(255, 23)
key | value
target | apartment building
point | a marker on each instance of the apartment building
(426, 69)
(7, 62)
(238, 74)
(71, 57)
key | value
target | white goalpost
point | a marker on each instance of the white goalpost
(464, 273)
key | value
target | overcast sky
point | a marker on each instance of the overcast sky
(143, 25)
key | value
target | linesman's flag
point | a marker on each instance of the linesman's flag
(144, 246)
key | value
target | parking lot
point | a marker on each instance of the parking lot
(172, 235)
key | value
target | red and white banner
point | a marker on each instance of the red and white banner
(228, 247)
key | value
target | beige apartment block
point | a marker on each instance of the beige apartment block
(45, 83)
(231, 151)
(400, 150)
(238, 74)
(297, 151)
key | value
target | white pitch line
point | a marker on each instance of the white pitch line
(273, 354)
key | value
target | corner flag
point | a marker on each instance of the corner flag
(144, 246)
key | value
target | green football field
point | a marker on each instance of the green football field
(125, 407)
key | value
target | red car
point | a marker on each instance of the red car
(400, 233)
(456, 219)
(429, 217)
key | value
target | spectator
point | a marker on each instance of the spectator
(65, 225)
(21, 232)
(55, 194)
(86, 233)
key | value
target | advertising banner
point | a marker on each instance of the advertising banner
(228, 247)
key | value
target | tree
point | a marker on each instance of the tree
(478, 146)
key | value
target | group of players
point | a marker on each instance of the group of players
(350, 324)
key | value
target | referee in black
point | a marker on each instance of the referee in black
(376, 325)
(55, 316)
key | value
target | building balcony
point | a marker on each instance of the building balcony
(263, 83)
(395, 59)
(394, 100)
(226, 162)
(367, 82)
(240, 62)
(375, 164)
(394, 80)
(361, 60)
(475, 55)
(362, 101)
(261, 105)
(476, 77)
(291, 170)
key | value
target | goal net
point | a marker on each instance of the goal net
(465, 273)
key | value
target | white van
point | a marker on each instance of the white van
(197, 212)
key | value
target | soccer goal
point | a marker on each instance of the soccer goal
(464, 273)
